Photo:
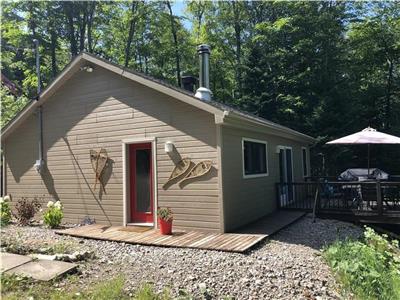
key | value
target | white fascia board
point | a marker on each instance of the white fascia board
(236, 120)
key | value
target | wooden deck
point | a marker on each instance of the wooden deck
(361, 201)
(246, 237)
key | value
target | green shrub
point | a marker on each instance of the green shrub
(54, 214)
(369, 268)
(5, 211)
(25, 210)
(165, 213)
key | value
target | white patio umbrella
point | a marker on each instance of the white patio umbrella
(367, 136)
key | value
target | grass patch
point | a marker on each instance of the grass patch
(15, 288)
(369, 268)
(67, 247)
(112, 289)
(146, 292)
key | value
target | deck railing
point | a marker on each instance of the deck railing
(373, 198)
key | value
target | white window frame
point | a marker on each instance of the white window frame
(244, 139)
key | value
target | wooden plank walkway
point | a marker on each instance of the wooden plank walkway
(241, 241)
(231, 242)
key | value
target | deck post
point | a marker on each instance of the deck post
(317, 203)
(379, 197)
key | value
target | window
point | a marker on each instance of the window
(255, 162)
(305, 164)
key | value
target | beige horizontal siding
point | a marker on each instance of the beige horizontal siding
(99, 110)
(247, 199)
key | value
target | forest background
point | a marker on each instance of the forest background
(325, 68)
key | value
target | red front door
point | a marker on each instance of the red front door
(141, 183)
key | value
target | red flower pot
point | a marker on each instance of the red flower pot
(165, 226)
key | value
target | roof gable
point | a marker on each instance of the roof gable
(220, 110)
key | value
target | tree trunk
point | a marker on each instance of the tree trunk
(69, 12)
(199, 20)
(31, 21)
(238, 44)
(51, 28)
(131, 33)
(175, 37)
(92, 8)
(388, 95)
(82, 26)
(53, 48)
(146, 65)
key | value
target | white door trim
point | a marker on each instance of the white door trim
(125, 176)
(281, 147)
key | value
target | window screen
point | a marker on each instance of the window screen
(255, 158)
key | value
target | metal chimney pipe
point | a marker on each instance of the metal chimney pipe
(203, 92)
(40, 162)
(36, 42)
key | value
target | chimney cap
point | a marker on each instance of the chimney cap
(203, 48)
(203, 93)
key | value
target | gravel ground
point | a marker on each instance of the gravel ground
(286, 266)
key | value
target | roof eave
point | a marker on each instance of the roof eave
(237, 120)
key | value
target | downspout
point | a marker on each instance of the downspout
(40, 162)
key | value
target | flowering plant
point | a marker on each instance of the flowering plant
(53, 215)
(5, 210)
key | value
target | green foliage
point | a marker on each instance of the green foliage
(12, 283)
(165, 213)
(17, 287)
(370, 268)
(326, 68)
(52, 217)
(5, 211)
(26, 209)
(146, 292)
(112, 289)
(10, 105)
(67, 247)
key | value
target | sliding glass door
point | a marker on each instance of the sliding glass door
(286, 175)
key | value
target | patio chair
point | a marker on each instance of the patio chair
(351, 196)
(368, 192)
(391, 196)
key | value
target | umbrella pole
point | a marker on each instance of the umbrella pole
(368, 159)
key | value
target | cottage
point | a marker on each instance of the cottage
(136, 131)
